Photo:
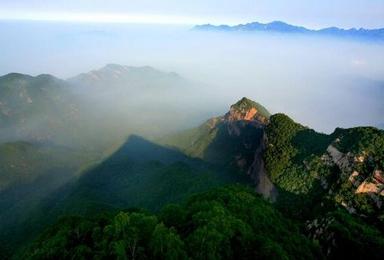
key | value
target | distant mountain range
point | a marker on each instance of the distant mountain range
(282, 27)
(45, 108)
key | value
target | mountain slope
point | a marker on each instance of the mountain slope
(344, 169)
(30, 172)
(229, 140)
(332, 184)
(142, 174)
(35, 108)
(23, 162)
(95, 110)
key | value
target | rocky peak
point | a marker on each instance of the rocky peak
(247, 110)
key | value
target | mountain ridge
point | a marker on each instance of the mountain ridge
(116, 75)
(282, 27)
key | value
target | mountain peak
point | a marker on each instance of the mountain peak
(244, 102)
(248, 110)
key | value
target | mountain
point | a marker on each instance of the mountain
(93, 110)
(228, 139)
(35, 108)
(139, 174)
(167, 174)
(345, 167)
(147, 175)
(235, 141)
(281, 27)
(114, 76)
(318, 175)
(331, 182)
(324, 195)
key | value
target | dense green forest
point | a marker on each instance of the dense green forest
(225, 223)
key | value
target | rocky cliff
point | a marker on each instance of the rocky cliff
(235, 140)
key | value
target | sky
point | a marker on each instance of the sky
(310, 13)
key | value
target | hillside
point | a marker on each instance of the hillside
(142, 174)
(139, 174)
(211, 225)
(24, 162)
(334, 182)
(229, 140)
(35, 108)
(328, 188)
(29, 172)
(95, 110)
(345, 167)
(165, 174)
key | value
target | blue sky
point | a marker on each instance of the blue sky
(310, 13)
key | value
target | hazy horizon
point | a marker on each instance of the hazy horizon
(321, 82)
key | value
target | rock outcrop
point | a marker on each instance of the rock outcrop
(247, 110)
(258, 173)
(371, 185)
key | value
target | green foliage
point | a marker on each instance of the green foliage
(293, 162)
(310, 184)
(167, 244)
(225, 223)
(116, 183)
(352, 238)
(280, 151)
(363, 140)
(289, 144)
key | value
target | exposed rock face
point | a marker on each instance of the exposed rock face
(352, 178)
(343, 161)
(249, 113)
(371, 185)
(258, 173)
(368, 187)
(247, 110)
(234, 114)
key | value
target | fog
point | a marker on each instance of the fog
(320, 82)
